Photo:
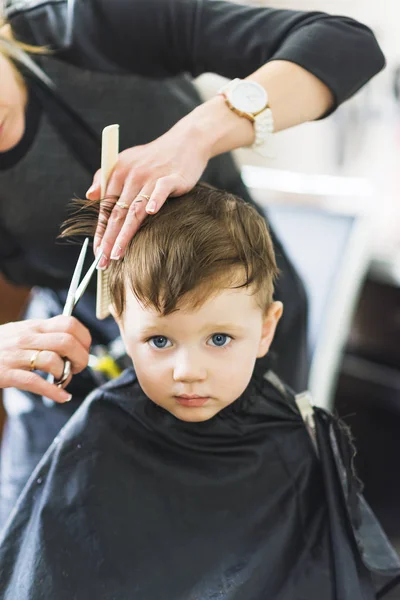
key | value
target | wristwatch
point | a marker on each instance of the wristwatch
(249, 99)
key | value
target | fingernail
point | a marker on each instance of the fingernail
(66, 397)
(116, 253)
(151, 206)
(103, 263)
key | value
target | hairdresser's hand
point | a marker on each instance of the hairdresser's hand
(55, 338)
(143, 179)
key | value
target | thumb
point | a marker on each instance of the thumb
(93, 192)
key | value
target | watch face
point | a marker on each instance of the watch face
(248, 97)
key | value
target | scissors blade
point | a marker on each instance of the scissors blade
(85, 281)
(70, 301)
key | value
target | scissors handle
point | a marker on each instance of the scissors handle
(75, 292)
(65, 374)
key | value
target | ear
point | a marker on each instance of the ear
(270, 321)
(120, 322)
(113, 312)
(118, 319)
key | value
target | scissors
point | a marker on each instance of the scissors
(75, 293)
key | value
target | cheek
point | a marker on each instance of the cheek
(139, 354)
(9, 93)
(147, 361)
(235, 364)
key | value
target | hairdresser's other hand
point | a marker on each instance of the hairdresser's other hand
(143, 179)
(55, 338)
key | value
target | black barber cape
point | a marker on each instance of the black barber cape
(129, 503)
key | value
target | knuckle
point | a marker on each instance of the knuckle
(71, 325)
(65, 341)
(51, 361)
(164, 184)
(23, 340)
(65, 323)
(116, 215)
(136, 177)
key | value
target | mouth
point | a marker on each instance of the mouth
(192, 400)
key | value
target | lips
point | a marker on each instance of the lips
(191, 400)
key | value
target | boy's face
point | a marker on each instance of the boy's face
(195, 363)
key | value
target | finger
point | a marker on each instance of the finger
(164, 187)
(49, 362)
(107, 205)
(32, 382)
(65, 324)
(107, 213)
(93, 192)
(67, 347)
(171, 185)
(117, 218)
(66, 382)
(134, 218)
(17, 328)
(63, 344)
(114, 226)
(36, 360)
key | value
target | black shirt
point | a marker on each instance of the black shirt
(32, 119)
(162, 38)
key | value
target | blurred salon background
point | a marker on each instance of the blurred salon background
(332, 190)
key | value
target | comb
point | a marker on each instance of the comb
(109, 157)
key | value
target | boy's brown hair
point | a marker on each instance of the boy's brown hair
(197, 244)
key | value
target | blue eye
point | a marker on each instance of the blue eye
(220, 339)
(159, 341)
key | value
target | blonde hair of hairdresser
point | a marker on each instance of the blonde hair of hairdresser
(14, 50)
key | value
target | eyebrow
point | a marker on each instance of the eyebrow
(215, 327)
(150, 329)
(222, 326)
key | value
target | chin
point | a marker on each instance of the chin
(191, 415)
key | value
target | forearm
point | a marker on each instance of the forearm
(295, 96)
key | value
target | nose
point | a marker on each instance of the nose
(189, 367)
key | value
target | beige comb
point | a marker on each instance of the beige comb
(109, 157)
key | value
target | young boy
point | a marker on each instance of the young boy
(194, 302)
(189, 477)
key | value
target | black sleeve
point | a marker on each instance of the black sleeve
(158, 38)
